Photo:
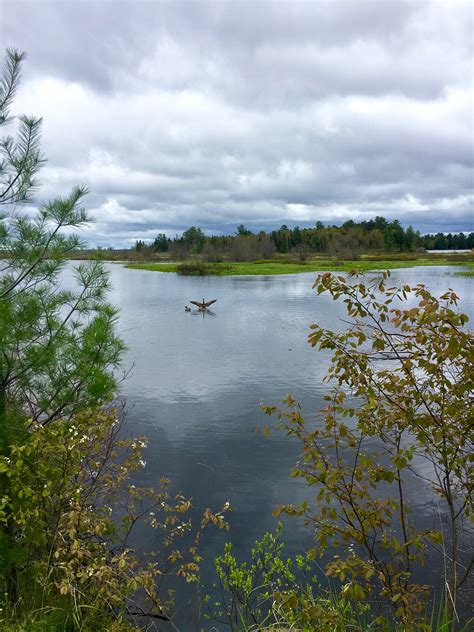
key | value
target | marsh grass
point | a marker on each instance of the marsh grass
(197, 267)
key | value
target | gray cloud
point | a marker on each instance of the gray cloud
(263, 113)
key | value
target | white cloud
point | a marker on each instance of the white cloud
(217, 114)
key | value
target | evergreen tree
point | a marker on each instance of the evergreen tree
(242, 231)
(161, 243)
(58, 345)
(194, 238)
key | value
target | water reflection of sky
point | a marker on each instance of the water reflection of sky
(197, 384)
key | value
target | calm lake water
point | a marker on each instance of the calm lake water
(197, 383)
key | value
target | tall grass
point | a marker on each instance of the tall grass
(201, 268)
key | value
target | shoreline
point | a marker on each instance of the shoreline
(268, 268)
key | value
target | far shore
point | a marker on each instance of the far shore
(273, 267)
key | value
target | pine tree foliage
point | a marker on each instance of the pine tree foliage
(20, 157)
(58, 345)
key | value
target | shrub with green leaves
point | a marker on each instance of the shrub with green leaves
(72, 507)
(275, 593)
(399, 414)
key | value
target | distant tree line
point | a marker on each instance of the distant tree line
(348, 241)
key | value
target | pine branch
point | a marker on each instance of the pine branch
(10, 81)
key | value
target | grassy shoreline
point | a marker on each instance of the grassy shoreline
(317, 265)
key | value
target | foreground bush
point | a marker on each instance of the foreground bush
(399, 414)
(273, 592)
(71, 510)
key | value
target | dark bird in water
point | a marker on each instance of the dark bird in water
(203, 306)
(187, 309)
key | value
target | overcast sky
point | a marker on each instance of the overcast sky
(215, 114)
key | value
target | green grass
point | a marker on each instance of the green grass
(315, 265)
(465, 273)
